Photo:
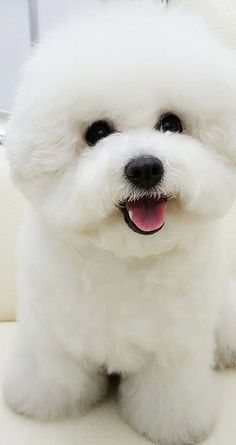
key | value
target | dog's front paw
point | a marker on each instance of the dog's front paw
(169, 414)
(51, 391)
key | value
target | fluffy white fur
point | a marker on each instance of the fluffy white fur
(95, 296)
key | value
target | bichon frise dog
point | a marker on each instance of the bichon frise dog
(123, 139)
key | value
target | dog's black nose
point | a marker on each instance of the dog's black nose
(145, 171)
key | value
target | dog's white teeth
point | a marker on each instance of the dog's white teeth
(130, 214)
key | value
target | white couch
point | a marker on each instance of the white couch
(102, 426)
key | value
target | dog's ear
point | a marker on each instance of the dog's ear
(216, 118)
(225, 133)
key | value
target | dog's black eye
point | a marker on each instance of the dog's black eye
(98, 130)
(169, 122)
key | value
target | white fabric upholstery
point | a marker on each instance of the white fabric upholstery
(102, 426)
(11, 203)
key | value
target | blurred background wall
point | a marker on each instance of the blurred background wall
(15, 45)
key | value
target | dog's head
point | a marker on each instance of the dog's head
(124, 128)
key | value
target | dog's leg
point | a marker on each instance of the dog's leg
(48, 376)
(47, 383)
(172, 405)
(225, 353)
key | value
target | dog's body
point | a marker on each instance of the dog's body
(96, 293)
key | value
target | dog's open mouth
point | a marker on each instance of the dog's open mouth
(145, 215)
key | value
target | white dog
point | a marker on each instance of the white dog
(123, 139)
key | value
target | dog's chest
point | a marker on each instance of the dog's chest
(129, 309)
(123, 318)
(119, 312)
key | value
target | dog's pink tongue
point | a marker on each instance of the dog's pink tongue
(147, 214)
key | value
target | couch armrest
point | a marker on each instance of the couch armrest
(11, 203)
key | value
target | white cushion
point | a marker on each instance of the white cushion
(102, 425)
(11, 203)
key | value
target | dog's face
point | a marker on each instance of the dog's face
(124, 129)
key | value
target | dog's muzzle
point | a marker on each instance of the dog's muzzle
(145, 215)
